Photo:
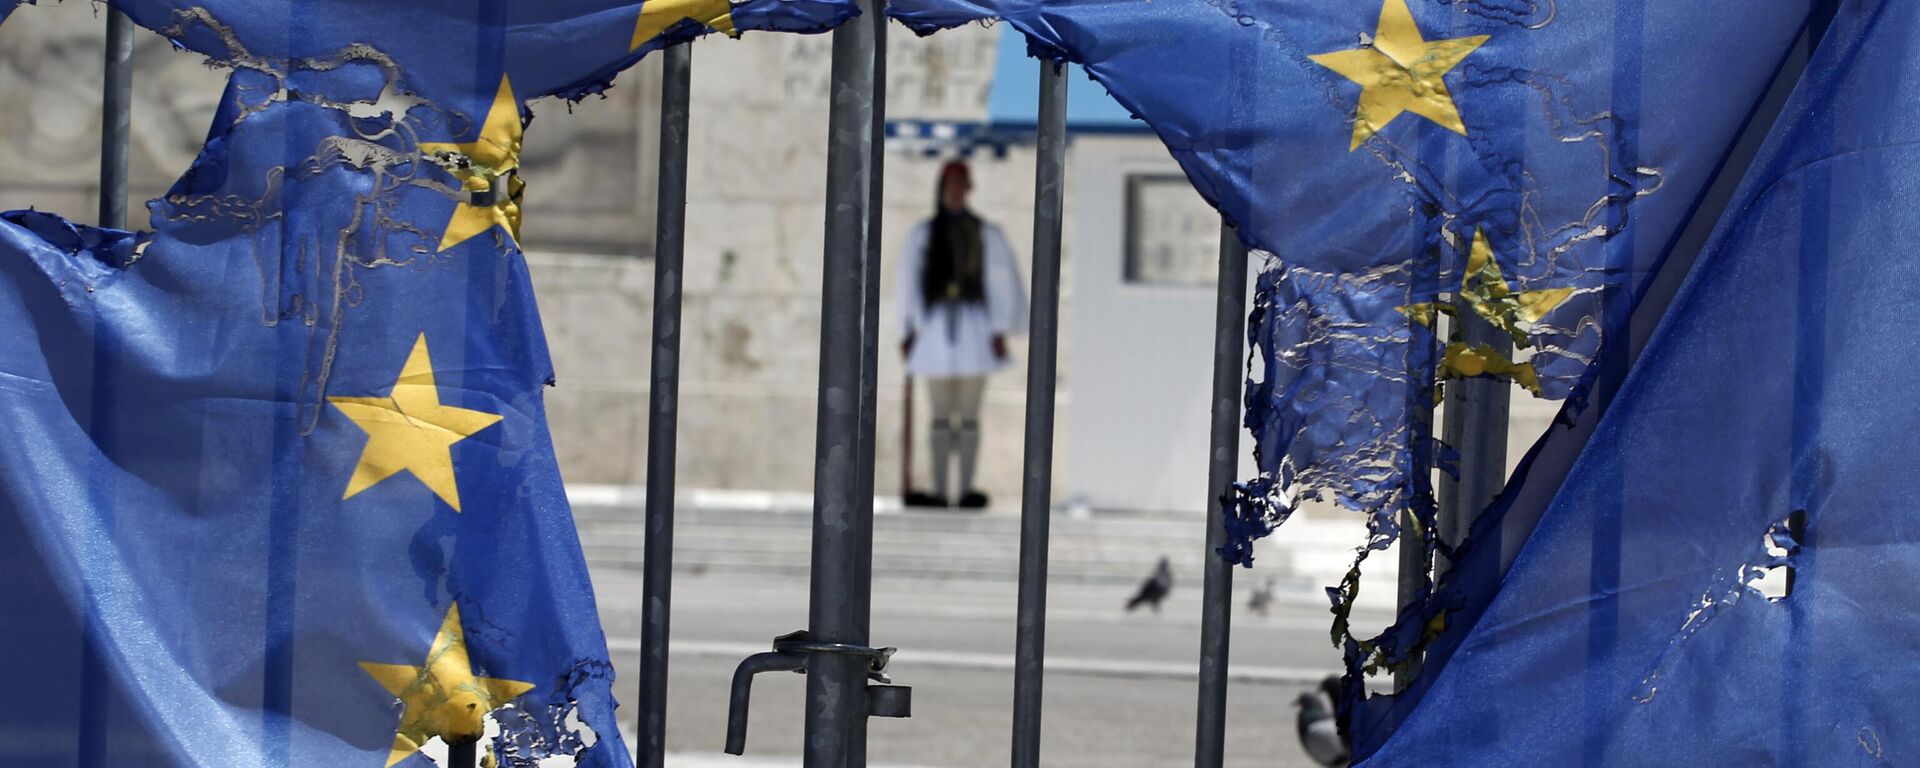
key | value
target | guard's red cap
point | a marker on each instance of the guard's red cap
(955, 168)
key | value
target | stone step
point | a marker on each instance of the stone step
(893, 542)
(907, 569)
(937, 545)
(983, 523)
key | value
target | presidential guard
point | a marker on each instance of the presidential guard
(959, 296)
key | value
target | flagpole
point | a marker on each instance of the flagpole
(664, 411)
(1216, 606)
(1036, 492)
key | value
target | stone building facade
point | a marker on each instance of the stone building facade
(754, 229)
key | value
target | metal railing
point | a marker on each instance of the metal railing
(846, 678)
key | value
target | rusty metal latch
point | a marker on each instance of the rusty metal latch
(790, 653)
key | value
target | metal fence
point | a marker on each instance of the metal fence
(846, 676)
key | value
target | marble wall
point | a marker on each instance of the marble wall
(755, 223)
(754, 229)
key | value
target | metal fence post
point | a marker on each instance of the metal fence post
(1216, 607)
(842, 520)
(664, 396)
(1413, 571)
(116, 100)
(1476, 426)
(870, 342)
(1036, 493)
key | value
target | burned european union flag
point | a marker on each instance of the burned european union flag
(276, 486)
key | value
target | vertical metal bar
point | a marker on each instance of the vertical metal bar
(1413, 577)
(116, 102)
(116, 99)
(1476, 426)
(1216, 606)
(1036, 489)
(1414, 565)
(870, 343)
(842, 519)
(465, 755)
(664, 406)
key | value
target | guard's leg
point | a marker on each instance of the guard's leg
(968, 395)
(943, 395)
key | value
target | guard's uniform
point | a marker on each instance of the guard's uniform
(953, 315)
(954, 339)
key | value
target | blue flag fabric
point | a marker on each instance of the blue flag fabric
(288, 477)
(444, 51)
(277, 483)
(1537, 157)
(1761, 439)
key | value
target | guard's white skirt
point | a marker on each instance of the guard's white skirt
(953, 341)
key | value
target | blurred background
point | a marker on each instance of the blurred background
(1131, 443)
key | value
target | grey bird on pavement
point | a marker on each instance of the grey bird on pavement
(1262, 598)
(1319, 733)
(1155, 588)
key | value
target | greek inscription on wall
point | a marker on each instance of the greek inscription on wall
(943, 77)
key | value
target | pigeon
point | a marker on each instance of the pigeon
(1322, 735)
(1319, 732)
(1155, 588)
(1262, 598)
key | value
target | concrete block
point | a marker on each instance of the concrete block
(599, 434)
(749, 152)
(735, 248)
(598, 315)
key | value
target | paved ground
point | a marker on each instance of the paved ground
(1120, 688)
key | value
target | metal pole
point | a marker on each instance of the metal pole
(464, 755)
(870, 346)
(1413, 578)
(1216, 607)
(1476, 426)
(1036, 490)
(664, 407)
(116, 107)
(116, 99)
(842, 519)
(1414, 565)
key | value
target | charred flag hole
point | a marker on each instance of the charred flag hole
(1782, 542)
(1770, 573)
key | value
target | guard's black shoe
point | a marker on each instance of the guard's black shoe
(922, 499)
(973, 500)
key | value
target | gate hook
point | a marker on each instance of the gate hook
(791, 653)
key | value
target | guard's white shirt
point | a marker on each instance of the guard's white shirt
(957, 339)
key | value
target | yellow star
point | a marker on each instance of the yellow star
(442, 697)
(477, 164)
(1401, 72)
(410, 431)
(1465, 362)
(1485, 289)
(657, 15)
